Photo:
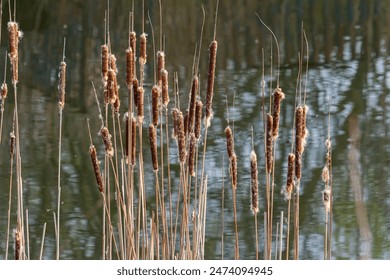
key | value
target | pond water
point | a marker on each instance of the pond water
(347, 91)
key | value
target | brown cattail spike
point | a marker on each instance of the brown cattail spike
(129, 67)
(299, 129)
(12, 141)
(61, 85)
(298, 166)
(181, 137)
(140, 104)
(142, 54)
(210, 80)
(135, 92)
(113, 63)
(13, 36)
(233, 170)
(254, 184)
(96, 167)
(290, 175)
(198, 118)
(18, 244)
(191, 155)
(3, 91)
(229, 141)
(153, 145)
(193, 98)
(164, 87)
(111, 86)
(155, 104)
(104, 53)
(325, 175)
(160, 66)
(269, 144)
(106, 136)
(278, 97)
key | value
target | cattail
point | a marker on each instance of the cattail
(155, 104)
(18, 244)
(104, 53)
(61, 85)
(229, 142)
(181, 137)
(12, 140)
(129, 67)
(153, 145)
(164, 87)
(133, 140)
(191, 155)
(290, 175)
(13, 37)
(298, 166)
(140, 104)
(305, 131)
(106, 136)
(233, 170)
(210, 81)
(160, 66)
(133, 42)
(325, 175)
(191, 112)
(326, 199)
(278, 97)
(117, 104)
(135, 91)
(299, 129)
(175, 115)
(269, 143)
(111, 86)
(113, 63)
(96, 167)
(198, 118)
(142, 52)
(254, 184)
(3, 91)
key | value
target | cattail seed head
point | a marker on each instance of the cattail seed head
(135, 92)
(133, 41)
(3, 91)
(155, 104)
(299, 129)
(113, 63)
(111, 86)
(326, 196)
(106, 136)
(142, 53)
(269, 143)
(229, 141)
(160, 66)
(210, 81)
(233, 170)
(305, 131)
(298, 165)
(140, 104)
(18, 244)
(153, 145)
(193, 98)
(198, 118)
(181, 137)
(290, 175)
(191, 155)
(105, 55)
(13, 36)
(278, 97)
(61, 85)
(96, 167)
(116, 105)
(129, 67)
(325, 175)
(164, 87)
(254, 184)
(12, 140)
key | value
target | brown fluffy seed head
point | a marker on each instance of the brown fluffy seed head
(18, 244)
(106, 136)
(233, 170)
(229, 141)
(326, 197)
(198, 118)
(13, 36)
(269, 143)
(305, 131)
(3, 91)
(12, 140)
(325, 175)
(299, 129)
(191, 155)
(164, 87)
(142, 52)
(298, 165)
(290, 175)
(181, 137)
(105, 55)
(153, 145)
(61, 85)
(155, 104)
(113, 63)
(254, 184)
(140, 104)
(111, 87)
(129, 67)
(193, 98)
(210, 81)
(278, 97)
(116, 105)
(96, 167)
(135, 92)
(160, 66)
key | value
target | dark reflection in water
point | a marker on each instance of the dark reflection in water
(349, 62)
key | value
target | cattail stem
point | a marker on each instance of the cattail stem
(210, 81)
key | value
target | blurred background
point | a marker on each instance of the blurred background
(348, 77)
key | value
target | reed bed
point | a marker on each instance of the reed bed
(173, 225)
